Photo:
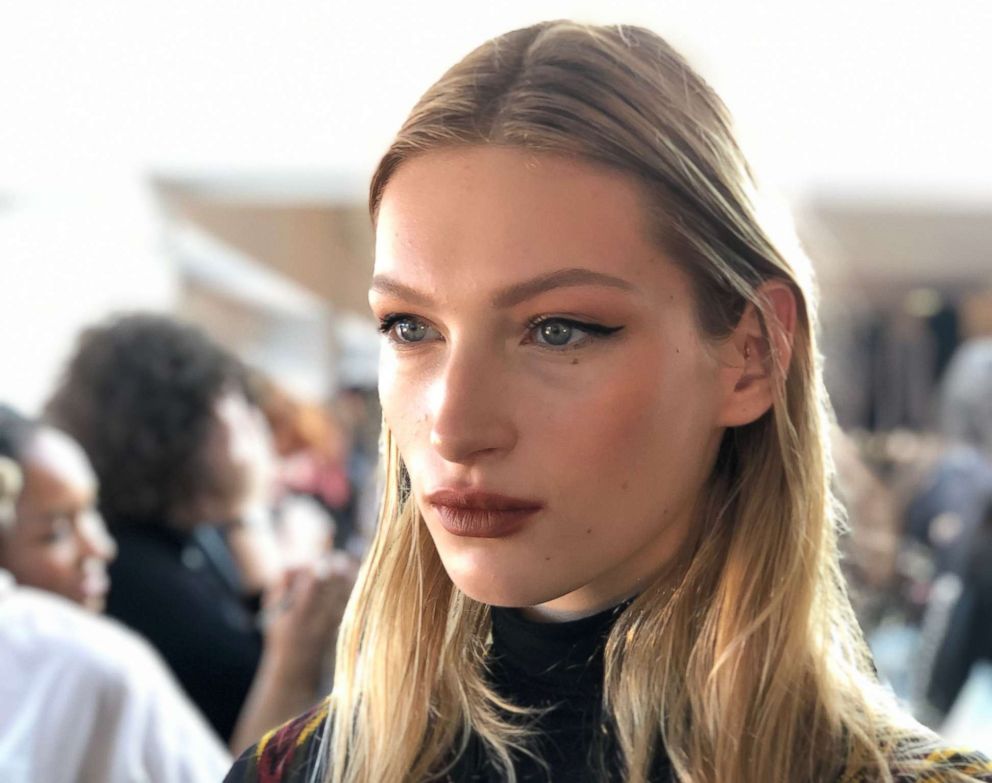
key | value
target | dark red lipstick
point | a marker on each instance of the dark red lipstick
(475, 514)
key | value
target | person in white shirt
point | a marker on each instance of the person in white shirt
(84, 700)
(54, 653)
(59, 542)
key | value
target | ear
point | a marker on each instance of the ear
(755, 353)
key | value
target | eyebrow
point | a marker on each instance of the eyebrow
(516, 293)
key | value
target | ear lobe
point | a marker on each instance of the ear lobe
(757, 355)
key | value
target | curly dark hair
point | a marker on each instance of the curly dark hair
(139, 395)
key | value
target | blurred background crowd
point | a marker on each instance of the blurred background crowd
(188, 366)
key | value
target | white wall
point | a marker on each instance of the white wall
(851, 93)
(849, 96)
(68, 259)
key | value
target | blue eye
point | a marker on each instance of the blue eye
(566, 333)
(410, 331)
(405, 329)
(557, 333)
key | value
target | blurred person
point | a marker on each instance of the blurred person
(965, 405)
(358, 409)
(952, 512)
(60, 542)
(947, 509)
(607, 548)
(869, 552)
(82, 699)
(182, 455)
(313, 504)
(57, 542)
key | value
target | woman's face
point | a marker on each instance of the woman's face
(58, 542)
(240, 456)
(543, 376)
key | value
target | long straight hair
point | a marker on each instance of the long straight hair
(743, 662)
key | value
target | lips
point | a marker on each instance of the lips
(477, 514)
(94, 584)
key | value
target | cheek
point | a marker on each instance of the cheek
(640, 430)
(393, 404)
(403, 397)
(41, 566)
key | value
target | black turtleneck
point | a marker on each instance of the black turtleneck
(557, 667)
(554, 668)
(557, 670)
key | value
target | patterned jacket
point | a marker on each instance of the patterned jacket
(289, 754)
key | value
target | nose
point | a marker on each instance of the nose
(471, 407)
(95, 540)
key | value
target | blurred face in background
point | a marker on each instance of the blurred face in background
(58, 541)
(241, 460)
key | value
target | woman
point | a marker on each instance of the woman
(83, 698)
(59, 542)
(607, 550)
(182, 456)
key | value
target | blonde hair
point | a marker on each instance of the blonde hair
(744, 661)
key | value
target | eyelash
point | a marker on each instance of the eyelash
(387, 322)
(594, 331)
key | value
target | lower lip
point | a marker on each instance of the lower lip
(483, 523)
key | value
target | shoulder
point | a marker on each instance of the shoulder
(930, 761)
(287, 754)
(925, 758)
(100, 692)
(51, 626)
(162, 583)
(51, 646)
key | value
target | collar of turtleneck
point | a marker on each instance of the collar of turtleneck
(564, 652)
(556, 669)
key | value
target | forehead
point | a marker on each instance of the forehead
(54, 465)
(499, 212)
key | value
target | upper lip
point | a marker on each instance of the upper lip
(478, 500)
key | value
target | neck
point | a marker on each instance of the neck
(567, 608)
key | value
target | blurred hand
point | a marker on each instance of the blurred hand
(304, 530)
(299, 620)
(300, 616)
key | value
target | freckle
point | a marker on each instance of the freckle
(575, 361)
(625, 485)
(547, 559)
(677, 351)
(588, 530)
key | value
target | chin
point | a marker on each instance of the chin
(94, 604)
(499, 573)
(506, 592)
